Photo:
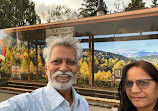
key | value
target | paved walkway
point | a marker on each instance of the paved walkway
(5, 96)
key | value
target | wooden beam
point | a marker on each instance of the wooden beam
(28, 60)
(36, 62)
(90, 62)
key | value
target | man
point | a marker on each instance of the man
(62, 57)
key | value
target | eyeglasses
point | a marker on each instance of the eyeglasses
(141, 83)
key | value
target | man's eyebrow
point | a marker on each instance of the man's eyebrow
(60, 58)
(74, 59)
(57, 58)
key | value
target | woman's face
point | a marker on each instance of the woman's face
(142, 97)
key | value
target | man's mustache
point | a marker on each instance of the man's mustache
(58, 73)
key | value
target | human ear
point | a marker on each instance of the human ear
(46, 68)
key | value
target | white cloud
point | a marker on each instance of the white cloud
(48, 2)
(44, 5)
(76, 4)
(73, 4)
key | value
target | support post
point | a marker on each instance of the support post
(28, 60)
(90, 62)
(36, 63)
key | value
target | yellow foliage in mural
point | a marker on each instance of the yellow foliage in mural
(102, 76)
(84, 69)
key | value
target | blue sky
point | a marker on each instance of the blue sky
(128, 48)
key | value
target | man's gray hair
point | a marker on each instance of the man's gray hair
(66, 41)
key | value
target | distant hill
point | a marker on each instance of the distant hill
(140, 54)
(100, 54)
(152, 58)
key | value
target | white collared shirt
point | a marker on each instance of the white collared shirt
(44, 99)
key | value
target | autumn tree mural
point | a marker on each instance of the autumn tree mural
(105, 64)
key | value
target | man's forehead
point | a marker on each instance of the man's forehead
(62, 48)
(63, 52)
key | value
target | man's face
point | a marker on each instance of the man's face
(62, 67)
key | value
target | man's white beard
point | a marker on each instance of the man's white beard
(61, 86)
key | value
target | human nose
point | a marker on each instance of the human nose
(64, 67)
(135, 88)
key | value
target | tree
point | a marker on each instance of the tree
(97, 76)
(135, 5)
(106, 62)
(108, 75)
(17, 13)
(110, 62)
(41, 69)
(17, 57)
(32, 68)
(119, 6)
(96, 62)
(156, 65)
(24, 66)
(89, 8)
(119, 65)
(155, 4)
(84, 70)
(59, 13)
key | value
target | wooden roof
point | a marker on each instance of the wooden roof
(143, 20)
(108, 17)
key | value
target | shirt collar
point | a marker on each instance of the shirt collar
(75, 98)
(55, 98)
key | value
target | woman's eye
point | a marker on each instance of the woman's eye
(128, 83)
(142, 82)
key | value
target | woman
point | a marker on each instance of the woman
(138, 89)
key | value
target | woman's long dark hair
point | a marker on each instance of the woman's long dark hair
(125, 103)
